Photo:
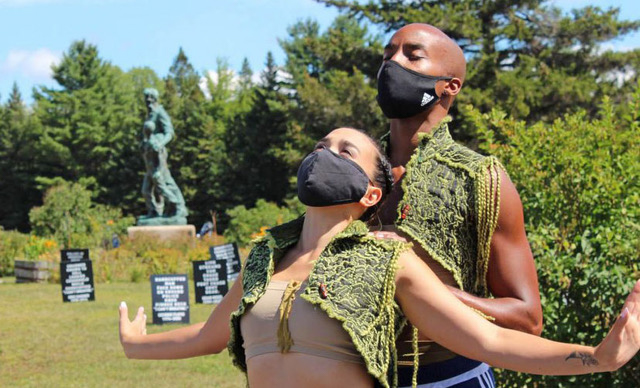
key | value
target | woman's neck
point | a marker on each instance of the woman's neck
(320, 225)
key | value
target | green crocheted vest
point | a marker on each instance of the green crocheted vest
(358, 273)
(450, 205)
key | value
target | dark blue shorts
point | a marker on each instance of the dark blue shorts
(458, 372)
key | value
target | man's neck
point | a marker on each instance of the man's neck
(404, 134)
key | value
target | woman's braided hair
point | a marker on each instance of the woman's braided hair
(383, 177)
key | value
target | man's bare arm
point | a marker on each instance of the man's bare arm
(511, 276)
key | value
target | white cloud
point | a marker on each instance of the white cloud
(256, 78)
(35, 64)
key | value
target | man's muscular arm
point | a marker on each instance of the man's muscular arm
(511, 276)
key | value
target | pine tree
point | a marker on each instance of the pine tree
(334, 76)
(258, 163)
(22, 147)
(91, 125)
(15, 103)
(245, 75)
(526, 58)
(189, 151)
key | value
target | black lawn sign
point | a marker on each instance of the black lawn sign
(228, 252)
(76, 276)
(210, 280)
(170, 299)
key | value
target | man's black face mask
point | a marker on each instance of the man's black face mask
(404, 93)
(327, 179)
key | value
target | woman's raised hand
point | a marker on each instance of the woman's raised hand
(130, 330)
(623, 341)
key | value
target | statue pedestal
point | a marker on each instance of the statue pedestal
(162, 220)
(163, 232)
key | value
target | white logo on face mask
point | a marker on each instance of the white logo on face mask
(426, 98)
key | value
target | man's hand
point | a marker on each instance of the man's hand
(387, 232)
(387, 235)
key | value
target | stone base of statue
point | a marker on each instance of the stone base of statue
(162, 220)
(163, 232)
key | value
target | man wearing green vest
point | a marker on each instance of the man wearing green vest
(459, 208)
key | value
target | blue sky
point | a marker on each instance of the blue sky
(135, 33)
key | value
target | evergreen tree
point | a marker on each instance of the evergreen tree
(244, 91)
(91, 124)
(15, 103)
(245, 76)
(195, 131)
(22, 156)
(222, 87)
(334, 76)
(525, 57)
(260, 158)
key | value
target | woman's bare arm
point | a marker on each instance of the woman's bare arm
(199, 339)
(437, 313)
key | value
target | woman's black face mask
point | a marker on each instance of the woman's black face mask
(327, 179)
(404, 93)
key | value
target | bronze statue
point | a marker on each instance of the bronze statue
(164, 201)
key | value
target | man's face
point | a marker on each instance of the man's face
(415, 48)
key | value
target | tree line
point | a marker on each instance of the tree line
(542, 93)
(238, 141)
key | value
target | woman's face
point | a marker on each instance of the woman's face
(354, 145)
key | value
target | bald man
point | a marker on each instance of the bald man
(459, 208)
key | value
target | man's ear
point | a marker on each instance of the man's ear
(453, 86)
(371, 197)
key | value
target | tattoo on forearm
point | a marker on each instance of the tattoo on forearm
(587, 359)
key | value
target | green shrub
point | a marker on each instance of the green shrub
(579, 182)
(70, 217)
(38, 248)
(15, 245)
(136, 260)
(11, 247)
(246, 224)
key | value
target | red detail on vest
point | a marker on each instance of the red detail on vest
(405, 210)
(322, 289)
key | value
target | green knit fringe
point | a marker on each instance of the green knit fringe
(487, 210)
(284, 335)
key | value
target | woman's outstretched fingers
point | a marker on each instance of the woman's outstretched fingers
(631, 335)
(623, 341)
(124, 314)
(124, 324)
(617, 331)
(140, 314)
(633, 300)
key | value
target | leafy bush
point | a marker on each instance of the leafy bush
(20, 246)
(11, 247)
(245, 224)
(70, 217)
(38, 248)
(136, 260)
(579, 181)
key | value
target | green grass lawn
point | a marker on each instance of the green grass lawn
(47, 343)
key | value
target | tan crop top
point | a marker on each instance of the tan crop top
(310, 329)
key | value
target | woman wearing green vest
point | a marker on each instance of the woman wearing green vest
(321, 301)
